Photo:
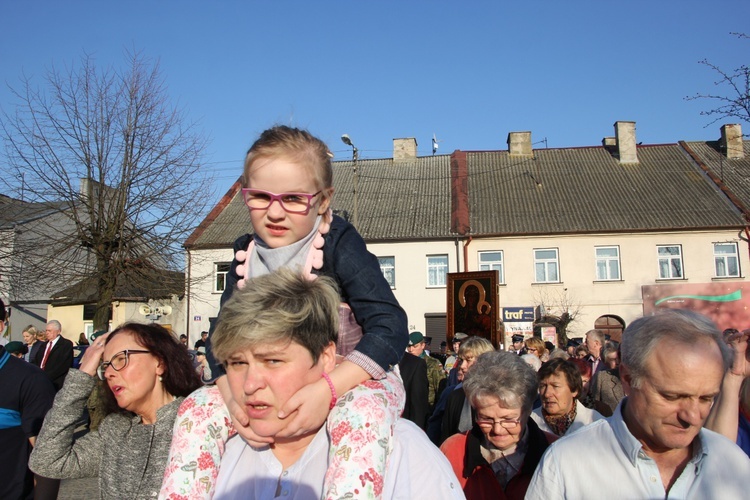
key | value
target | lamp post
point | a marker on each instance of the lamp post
(355, 155)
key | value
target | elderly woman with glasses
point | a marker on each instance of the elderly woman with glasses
(147, 374)
(498, 456)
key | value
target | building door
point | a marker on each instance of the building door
(611, 325)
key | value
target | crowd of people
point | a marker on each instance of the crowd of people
(309, 385)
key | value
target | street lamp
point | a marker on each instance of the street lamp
(355, 155)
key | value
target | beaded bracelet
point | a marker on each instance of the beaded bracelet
(333, 391)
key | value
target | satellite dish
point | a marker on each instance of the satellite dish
(166, 310)
(145, 310)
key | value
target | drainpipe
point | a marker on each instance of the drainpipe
(187, 296)
(466, 253)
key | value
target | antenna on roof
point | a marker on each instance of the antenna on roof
(434, 144)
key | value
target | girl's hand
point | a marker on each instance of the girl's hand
(240, 419)
(306, 410)
(92, 358)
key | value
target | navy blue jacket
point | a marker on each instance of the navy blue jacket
(362, 286)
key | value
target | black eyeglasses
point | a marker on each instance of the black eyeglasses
(118, 361)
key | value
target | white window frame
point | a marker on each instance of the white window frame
(607, 261)
(725, 260)
(669, 261)
(547, 262)
(438, 270)
(492, 263)
(221, 269)
(388, 268)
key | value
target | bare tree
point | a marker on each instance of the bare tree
(118, 164)
(559, 308)
(732, 98)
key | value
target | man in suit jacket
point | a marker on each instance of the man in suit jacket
(58, 354)
(414, 374)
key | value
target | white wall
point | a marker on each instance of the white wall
(578, 285)
(412, 290)
(203, 301)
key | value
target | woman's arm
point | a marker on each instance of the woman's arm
(55, 454)
(725, 414)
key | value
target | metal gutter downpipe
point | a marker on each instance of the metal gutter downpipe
(466, 252)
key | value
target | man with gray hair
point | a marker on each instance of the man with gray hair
(594, 342)
(58, 354)
(654, 445)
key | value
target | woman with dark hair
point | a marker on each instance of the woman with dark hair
(560, 385)
(147, 374)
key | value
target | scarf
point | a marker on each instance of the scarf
(303, 255)
(559, 424)
(266, 260)
(505, 463)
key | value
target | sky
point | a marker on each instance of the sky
(468, 72)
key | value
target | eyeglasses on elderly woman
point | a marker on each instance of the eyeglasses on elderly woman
(118, 361)
(490, 423)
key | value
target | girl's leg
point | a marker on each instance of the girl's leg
(201, 430)
(361, 429)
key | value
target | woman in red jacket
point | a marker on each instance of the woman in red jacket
(498, 456)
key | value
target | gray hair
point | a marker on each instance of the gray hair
(276, 307)
(558, 353)
(504, 376)
(596, 335)
(676, 325)
(56, 324)
(608, 349)
(533, 361)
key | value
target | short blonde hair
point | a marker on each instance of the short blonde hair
(537, 344)
(474, 347)
(280, 306)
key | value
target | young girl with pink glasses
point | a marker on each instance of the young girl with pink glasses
(288, 185)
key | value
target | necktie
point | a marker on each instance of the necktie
(46, 354)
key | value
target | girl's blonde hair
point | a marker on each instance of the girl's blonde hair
(295, 145)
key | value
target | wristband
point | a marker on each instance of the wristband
(333, 391)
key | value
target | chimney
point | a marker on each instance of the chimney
(625, 137)
(404, 149)
(519, 144)
(731, 141)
